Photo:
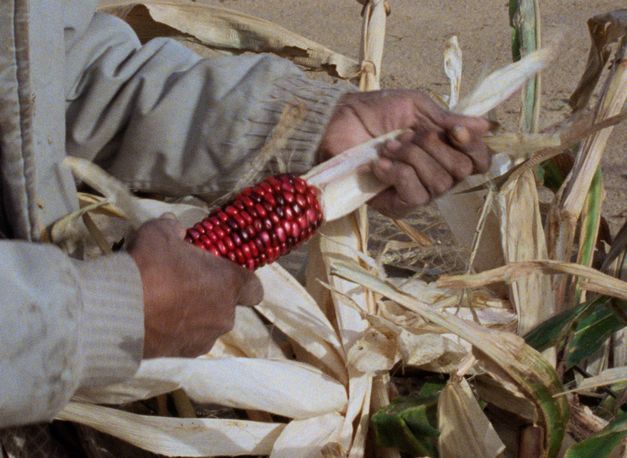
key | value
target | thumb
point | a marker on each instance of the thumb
(173, 224)
(251, 292)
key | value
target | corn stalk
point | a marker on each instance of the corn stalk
(571, 198)
(522, 234)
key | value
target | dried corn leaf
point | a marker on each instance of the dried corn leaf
(615, 375)
(373, 38)
(567, 208)
(523, 366)
(307, 438)
(226, 29)
(523, 239)
(286, 388)
(605, 30)
(290, 308)
(177, 436)
(492, 391)
(464, 428)
(591, 279)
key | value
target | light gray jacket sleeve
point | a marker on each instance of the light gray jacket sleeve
(65, 333)
(162, 119)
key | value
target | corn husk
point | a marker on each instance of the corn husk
(307, 438)
(178, 436)
(464, 428)
(518, 365)
(287, 388)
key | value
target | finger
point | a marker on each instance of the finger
(169, 215)
(389, 203)
(471, 146)
(456, 163)
(251, 289)
(404, 180)
(445, 118)
(433, 176)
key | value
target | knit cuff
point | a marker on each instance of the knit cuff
(300, 109)
(111, 330)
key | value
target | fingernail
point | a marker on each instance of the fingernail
(384, 164)
(169, 215)
(393, 145)
(460, 134)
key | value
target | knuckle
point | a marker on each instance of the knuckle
(463, 167)
(442, 183)
(405, 173)
(227, 320)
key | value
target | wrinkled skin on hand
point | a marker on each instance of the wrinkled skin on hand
(189, 295)
(442, 149)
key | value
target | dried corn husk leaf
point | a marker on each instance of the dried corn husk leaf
(85, 199)
(136, 210)
(307, 438)
(615, 375)
(591, 279)
(289, 307)
(500, 85)
(362, 385)
(177, 436)
(286, 388)
(453, 70)
(115, 191)
(519, 145)
(226, 29)
(422, 349)
(464, 428)
(377, 350)
(522, 365)
(67, 232)
(251, 336)
(342, 238)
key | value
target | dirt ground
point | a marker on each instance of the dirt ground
(417, 31)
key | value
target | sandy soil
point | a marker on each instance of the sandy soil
(416, 35)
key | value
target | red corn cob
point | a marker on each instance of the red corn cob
(262, 223)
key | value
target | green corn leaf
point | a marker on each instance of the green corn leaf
(595, 329)
(602, 444)
(553, 331)
(410, 424)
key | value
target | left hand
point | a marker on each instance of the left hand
(442, 149)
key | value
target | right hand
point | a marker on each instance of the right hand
(189, 295)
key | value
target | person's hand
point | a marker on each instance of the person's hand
(189, 295)
(442, 148)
